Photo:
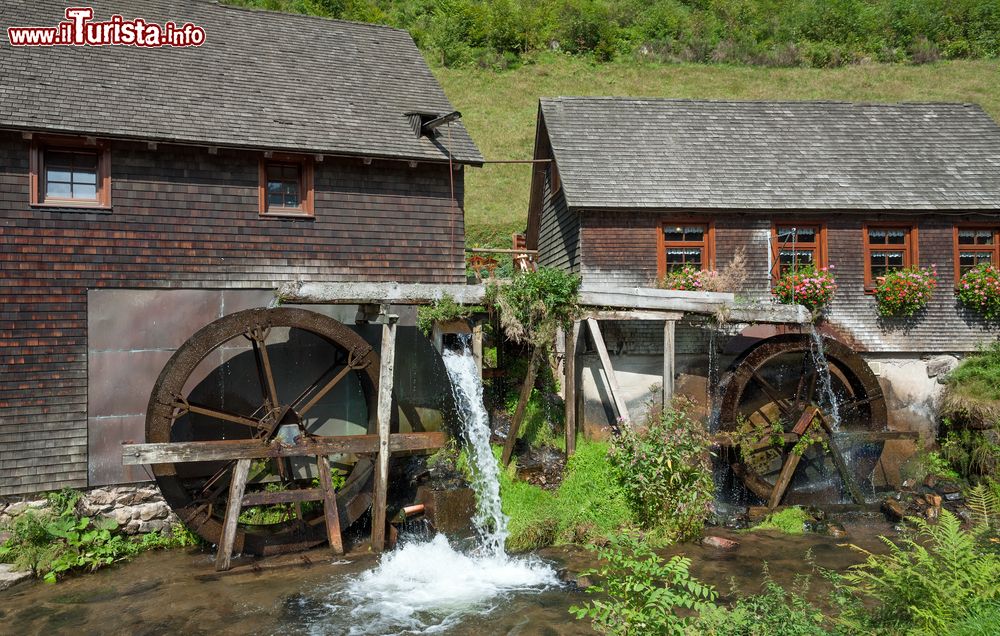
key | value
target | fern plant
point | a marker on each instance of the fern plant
(925, 583)
(984, 504)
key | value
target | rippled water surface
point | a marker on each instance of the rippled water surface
(177, 592)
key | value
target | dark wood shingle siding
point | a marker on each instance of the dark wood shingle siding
(182, 218)
(619, 247)
(559, 238)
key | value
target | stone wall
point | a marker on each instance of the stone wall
(138, 509)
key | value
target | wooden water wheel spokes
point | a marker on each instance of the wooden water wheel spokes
(790, 445)
(277, 376)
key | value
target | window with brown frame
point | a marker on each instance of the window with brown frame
(70, 172)
(286, 186)
(975, 246)
(888, 248)
(796, 245)
(684, 244)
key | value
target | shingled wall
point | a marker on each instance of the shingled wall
(183, 218)
(620, 248)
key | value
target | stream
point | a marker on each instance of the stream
(424, 586)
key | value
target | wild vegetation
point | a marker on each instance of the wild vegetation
(57, 541)
(498, 33)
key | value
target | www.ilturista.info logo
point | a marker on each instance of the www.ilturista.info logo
(79, 29)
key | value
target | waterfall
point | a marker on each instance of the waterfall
(426, 586)
(490, 521)
(826, 381)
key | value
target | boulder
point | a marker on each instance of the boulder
(893, 509)
(99, 498)
(150, 511)
(941, 366)
(9, 577)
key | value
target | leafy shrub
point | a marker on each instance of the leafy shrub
(642, 594)
(774, 611)
(904, 292)
(979, 290)
(533, 304)
(53, 542)
(806, 286)
(663, 470)
(925, 583)
(972, 452)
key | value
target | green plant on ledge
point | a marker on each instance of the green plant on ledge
(533, 305)
(903, 293)
(443, 310)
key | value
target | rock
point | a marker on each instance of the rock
(934, 500)
(9, 577)
(908, 484)
(953, 496)
(132, 527)
(836, 530)
(18, 508)
(720, 543)
(947, 487)
(893, 509)
(99, 498)
(930, 480)
(156, 525)
(941, 365)
(150, 511)
(932, 514)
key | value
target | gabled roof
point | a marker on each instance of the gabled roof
(664, 153)
(261, 80)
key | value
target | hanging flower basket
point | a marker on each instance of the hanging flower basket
(905, 292)
(808, 286)
(979, 290)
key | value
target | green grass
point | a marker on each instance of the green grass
(978, 376)
(789, 520)
(499, 108)
(588, 503)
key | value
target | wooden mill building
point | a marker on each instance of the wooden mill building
(146, 192)
(637, 187)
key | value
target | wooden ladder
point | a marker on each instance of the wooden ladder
(238, 499)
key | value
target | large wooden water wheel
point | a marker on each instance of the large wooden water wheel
(801, 431)
(273, 375)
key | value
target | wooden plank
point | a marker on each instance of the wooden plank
(669, 365)
(477, 346)
(656, 292)
(613, 388)
(838, 460)
(776, 313)
(227, 450)
(329, 504)
(283, 496)
(522, 404)
(570, 386)
(237, 485)
(388, 364)
(377, 293)
(633, 314)
(784, 478)
(855, 437)
(629, 301)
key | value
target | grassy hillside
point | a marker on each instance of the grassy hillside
(499, 108)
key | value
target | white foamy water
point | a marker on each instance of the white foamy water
(825, 380)
(428, 587)
(490, 521)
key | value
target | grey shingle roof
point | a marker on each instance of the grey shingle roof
(261, 80)
(661, 153)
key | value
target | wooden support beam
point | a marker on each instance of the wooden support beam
(522, 404)
(570, 387)
(669, 362)
(329, 504)
(633, 314)
(477, 346)
(613, 388)
(281, 496)
(378, 293)
(854, 437)
(229, 450)
(388, 364)
(237, 485)
(784, 478)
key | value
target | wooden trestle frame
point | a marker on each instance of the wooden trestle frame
(374, 299)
